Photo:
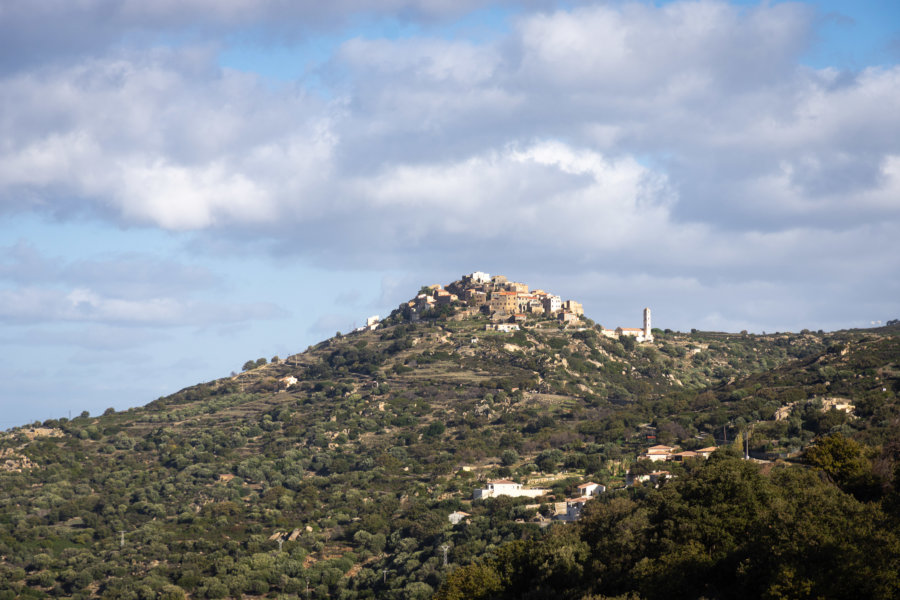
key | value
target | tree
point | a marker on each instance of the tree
(509, 457)
(548, 460)
(846, 463)
(471, 582)
(435, 430)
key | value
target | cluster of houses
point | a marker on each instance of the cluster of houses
(661, 452)
(509, 303)
(505, 487)
(573, 506)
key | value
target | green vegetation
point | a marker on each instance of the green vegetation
(340, 485)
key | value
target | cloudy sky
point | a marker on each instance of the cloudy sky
(187, 185)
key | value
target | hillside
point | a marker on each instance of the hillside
(332, 472)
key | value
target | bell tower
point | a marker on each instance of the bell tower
(647, 335)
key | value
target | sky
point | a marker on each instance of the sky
(188, 185)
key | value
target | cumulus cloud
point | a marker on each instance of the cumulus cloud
(149, 141)
(691, 87)
(41, 31)
(685, 138)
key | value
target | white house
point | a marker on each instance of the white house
(505, 487)
(658, 452)
(706, 452)
(552, 304)
(574, 506)
(590, 489)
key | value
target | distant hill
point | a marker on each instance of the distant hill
(332, 473)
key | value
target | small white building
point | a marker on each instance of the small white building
(574, 506)
(502, 327)
(480, 277)
(505, 487)
(591, 489)
(457, 516)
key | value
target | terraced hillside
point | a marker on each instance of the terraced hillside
(332, 472)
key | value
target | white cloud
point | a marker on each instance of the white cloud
(621, 153)
(685, 137)
(154, 142)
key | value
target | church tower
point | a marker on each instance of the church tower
(647, 335)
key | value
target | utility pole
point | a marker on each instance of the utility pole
(747, 443)
(280, 543)
(121, 539)
(384, 576)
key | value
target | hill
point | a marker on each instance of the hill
(332, 473)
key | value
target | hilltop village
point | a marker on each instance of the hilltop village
(509, 304)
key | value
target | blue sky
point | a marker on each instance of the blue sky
(185, 186)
